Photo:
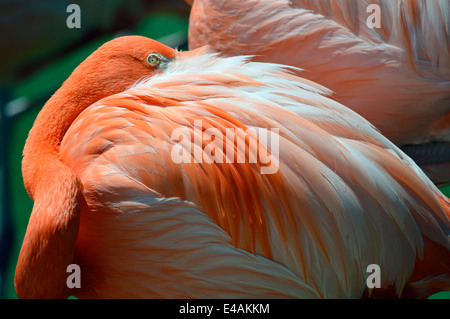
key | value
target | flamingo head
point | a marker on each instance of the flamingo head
(117, 65)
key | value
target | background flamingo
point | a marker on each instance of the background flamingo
(396, 76)
(109, 197)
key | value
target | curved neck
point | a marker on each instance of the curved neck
(42, 146)
(59, 112)
(49, 243)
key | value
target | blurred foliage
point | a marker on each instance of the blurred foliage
(34, 32)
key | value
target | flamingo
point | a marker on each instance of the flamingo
(111, 197)
(396, 74)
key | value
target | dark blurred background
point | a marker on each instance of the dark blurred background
(37, 53)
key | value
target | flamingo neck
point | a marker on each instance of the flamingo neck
(42, 147)
(49, 243)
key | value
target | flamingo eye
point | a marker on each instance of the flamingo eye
(153, 59)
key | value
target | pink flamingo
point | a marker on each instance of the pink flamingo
(110, 197)
(396, 74)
